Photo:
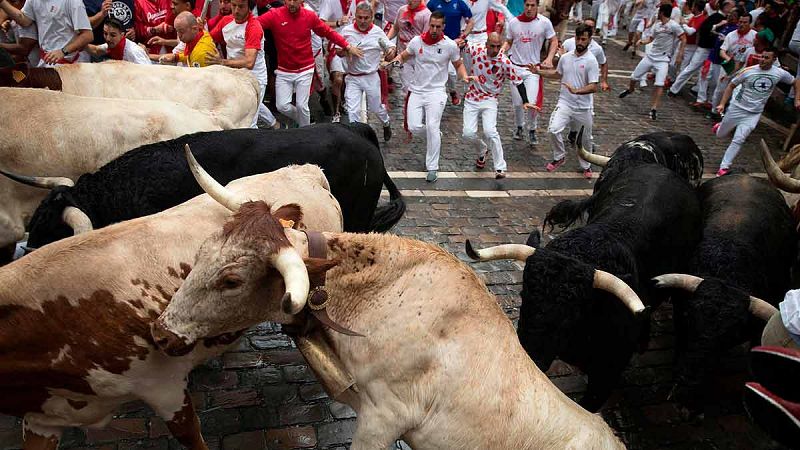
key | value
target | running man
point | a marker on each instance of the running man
(757, 83)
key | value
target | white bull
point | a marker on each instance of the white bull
(55, 134)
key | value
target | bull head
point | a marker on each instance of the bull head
(602, 280)
(689, 283)
(597, 160)
(232, 284)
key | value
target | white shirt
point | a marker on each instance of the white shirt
(374, 43)
(132, 53)
(757, 86)
(492, 73)
(390, 8)
(736, 45)
(790, 313)
(528, 39)
(595, 48)
(757, 12)
(577, 71)
(646, 10)
(331, 10)
(234, 35)
(479, 10)
(28, 32)
(664, 35)
(57, 21)
(431, 63)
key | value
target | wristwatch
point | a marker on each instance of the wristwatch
(64, 51)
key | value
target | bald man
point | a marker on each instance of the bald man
(199, 45)
(489, 72)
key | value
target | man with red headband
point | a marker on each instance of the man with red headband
(524, 40)
(432, 52)
(291, 27)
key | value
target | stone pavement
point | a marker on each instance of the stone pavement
(262, 395)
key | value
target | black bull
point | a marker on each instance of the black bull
(748, 246)
(642, 224)
(155, 177)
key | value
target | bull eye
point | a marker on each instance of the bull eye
(230, 282)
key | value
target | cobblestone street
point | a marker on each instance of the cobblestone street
(262, 395)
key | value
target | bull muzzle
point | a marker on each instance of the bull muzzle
(169, 342)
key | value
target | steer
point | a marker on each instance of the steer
(75, 316)
(748, 247)
(155, 177)
(230, 93)
(642, 223)
(674, 151)
(70, 144)
(437, 364)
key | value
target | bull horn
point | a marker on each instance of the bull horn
(295, 278)
(775, 174)
(519, 252)
(40, 182)
(613, 285)
(77, 220)
(597, 160)
(218, 192)
(678, 281)
(761, 308)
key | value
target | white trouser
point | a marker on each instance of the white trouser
(486, 111)
(722, 83)
(288, 83)
(576, 12)
(369, 84)
(263, 112)
(660, 68)
(708, 83)
(693, 66)
(429, 105)
(562, 117)
(744, 122)
(532, 84)
(406, 76)
(478, 38)
(688, 54)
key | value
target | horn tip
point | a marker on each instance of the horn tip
(471, 251)
(286, 304)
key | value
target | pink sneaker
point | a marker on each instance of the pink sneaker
(715, 127)
(587, 173)
(723, 172)
(553, 165)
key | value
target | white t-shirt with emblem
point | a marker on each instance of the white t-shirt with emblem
(755, 86)
(577, 71)
(595, 48)
(736, 45)
(492, 73)
(664, 36)
(132, 53)
(528, 39)
(57, 21)
(374, 43)
(431, 63)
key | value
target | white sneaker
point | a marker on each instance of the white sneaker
(336, 118)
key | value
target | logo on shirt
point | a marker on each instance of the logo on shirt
(283, 24)
(439, 50)
(121, 12)
(153, 17)
(763, 84)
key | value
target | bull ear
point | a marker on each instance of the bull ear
(316, 266)
(290, 213)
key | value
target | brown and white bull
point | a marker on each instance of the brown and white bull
(439, 364)
(230, 93)
(75, 315)
(55, 134)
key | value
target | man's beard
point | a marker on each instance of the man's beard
(580, 48)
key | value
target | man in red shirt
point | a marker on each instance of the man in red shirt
(224, 10)
(291, 27)
(149, 21)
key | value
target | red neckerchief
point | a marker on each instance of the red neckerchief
(187, 51)
(523, 18)
(409, 14)
(345, 6)
(364, 32)
(426, 38)
(118, 52)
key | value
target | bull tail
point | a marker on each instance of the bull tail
(566, 213)
(387, 216)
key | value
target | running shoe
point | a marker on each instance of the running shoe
(454, 98)
(336, 118)
(653, 114)
(499, 175)
(587, 173)
(553, 165)
(432, 176)
(532, 137)
(723, 172)
(625, 93)
(518, 134)
(387, 132)
(715, 127)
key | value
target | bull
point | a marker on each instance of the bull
(642, 223)
(76, 347)
(746, 253)
(677, 152)
(232, 94)
(156, 176)
(68, 145)
(437, 361)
